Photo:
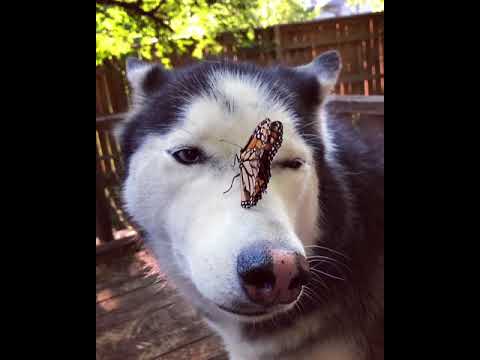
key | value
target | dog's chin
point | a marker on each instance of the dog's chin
(247, 315)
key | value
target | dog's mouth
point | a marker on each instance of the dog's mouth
(242, 312)
(253, 315)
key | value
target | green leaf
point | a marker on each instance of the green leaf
(188, 26)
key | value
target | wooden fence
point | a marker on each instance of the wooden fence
(360, 40)
(109, 173)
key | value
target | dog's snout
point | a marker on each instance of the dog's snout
(272, 276)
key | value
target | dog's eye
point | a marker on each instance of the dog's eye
(188, 156)
(292, 164)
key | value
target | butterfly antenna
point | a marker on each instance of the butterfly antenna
(225, 141)
(231, 185)
(221, 140)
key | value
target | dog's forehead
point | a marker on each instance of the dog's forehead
(236, 107)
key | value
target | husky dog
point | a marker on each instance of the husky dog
(299, 275)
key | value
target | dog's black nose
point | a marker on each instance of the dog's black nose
(271, 276)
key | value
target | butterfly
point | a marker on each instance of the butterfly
(255, 160)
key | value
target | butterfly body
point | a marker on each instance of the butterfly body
(255, 160)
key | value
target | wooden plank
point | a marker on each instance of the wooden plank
(99, 151)
(223, 356)
(331, 40)
(182, 338)
(131, 294)
(143, 342)
(147, 295)
(111, 170)
(107, 95)
(104, 222)
(375, 54)
(101, 98)
(381, 52)
(116, 87)
(126, 274)
(158, 327)
(113, 248)
(339, 19)
(122, 220)
(201, 349)
(105, 157)
(109, 121)
(107, 164)
(357, 77)
(154, 345)
(372, 105)
(117, 157)
(129, 315)
(111, 182)
(358, 87)
(153, 307)
(116, 275)
(278, 43)
(368, 83)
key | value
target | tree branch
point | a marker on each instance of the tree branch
(156, 8)
(136, 9)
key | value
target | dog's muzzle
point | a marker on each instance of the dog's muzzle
(272, 276)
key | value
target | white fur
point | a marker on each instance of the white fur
(327, 137)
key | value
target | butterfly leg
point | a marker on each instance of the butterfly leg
(231, 185)
(236, 158)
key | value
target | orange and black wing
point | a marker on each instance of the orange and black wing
(255, 161)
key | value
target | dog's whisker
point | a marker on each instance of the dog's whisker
(326, 259)
(327, 249)
(296, 309)
(339, 268)
(307, 294)
(326, 274)
(313, 295)
(337, 264)
(317, 279)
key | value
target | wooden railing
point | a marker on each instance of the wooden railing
(113, 225)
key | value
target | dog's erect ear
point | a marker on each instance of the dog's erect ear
(145, 77)
(326, 68)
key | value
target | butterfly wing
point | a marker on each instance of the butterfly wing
(275, 138)
(249, 171)
(255, 161)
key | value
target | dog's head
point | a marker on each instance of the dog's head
(180, 142)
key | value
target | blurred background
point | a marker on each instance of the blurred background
(137, 317)
(262, 31)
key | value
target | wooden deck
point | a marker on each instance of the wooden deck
(140, 316)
